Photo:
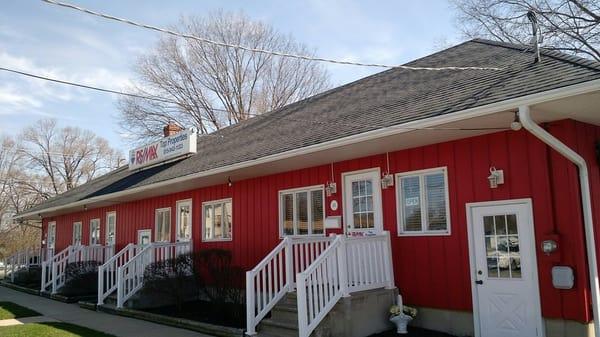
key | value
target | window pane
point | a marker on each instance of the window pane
(208, 222)
(167, 226)
(218, 221)
(227, 215)
(287, 203)
(184, 222)
(317, 211)
(411, 204)
(302, 212)
(110, 229)
(436, 201)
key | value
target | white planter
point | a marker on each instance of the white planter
(401, 322)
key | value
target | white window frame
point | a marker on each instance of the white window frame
(80, 223)
(293, 191)
(423, 203)
(156, 212)
(212, 203)
(91, 232)
(106, 232)
(178, 204)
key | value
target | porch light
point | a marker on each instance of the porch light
(330, 188)
(496, 177)
(229, 182)
(549, 246)
(516, 124)
(387, 181)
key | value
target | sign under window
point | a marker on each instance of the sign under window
(302, 211)
(423, 204)
(163, 225)
(217, 220)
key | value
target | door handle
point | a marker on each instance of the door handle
(479, 282)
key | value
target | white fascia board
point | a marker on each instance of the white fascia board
(545, 96)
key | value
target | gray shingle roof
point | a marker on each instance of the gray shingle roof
(392, 97)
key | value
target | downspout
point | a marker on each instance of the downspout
(586, 202)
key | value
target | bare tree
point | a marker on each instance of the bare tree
(207, 86)
(59, 159)
(571, 26)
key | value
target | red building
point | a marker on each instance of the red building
(491, 228)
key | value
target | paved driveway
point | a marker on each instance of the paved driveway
(112, 324)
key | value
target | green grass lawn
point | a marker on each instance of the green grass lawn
(50, 329)
(10, 310)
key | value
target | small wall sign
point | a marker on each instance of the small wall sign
(414, 201)
(333, 205)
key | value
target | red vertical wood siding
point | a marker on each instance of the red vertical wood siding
(431, 271)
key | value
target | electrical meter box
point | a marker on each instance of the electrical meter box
(562, 277)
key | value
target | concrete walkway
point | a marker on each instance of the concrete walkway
(111, 324)
(25, 320)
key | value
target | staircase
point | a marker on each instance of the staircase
(21, 260)
(322, 271)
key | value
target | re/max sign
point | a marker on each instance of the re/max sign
(167, 148)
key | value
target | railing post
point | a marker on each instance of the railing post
(343, 266)
(302, 312)
(388, 260)
(120, 287)
(101, 285)
(250, 304)
(54, 278)
(44, 267)
(289, 267)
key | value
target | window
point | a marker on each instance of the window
(184, 220)
(51, 234)
(423, 206)
(77, 233)
(163, 225)
(95, 232)
(111, 228)
(217, 220)
(302, 211)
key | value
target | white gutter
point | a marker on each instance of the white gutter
(586, 202)
(572, 90)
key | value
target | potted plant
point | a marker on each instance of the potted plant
(401, 316)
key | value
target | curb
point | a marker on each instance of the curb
(207, 328)
(19, 288)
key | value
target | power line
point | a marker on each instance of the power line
(254, 50)
(85, 86)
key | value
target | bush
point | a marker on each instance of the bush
(221, 282)
(173, 278)
(81, 279)
(30, 277)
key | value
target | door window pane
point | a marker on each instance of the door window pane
(503, 253)
(362, 204)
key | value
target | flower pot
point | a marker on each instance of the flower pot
(401, 322)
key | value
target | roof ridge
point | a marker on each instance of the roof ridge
(555, 54)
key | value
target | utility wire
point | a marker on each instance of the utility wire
(253, 50)
(251, 114)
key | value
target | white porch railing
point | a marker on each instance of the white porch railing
(130, 276)
(350, 264)
(54, 269)
(22, 259)
(275, 275)
(107, 273)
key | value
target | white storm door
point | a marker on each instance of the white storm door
(362, 202)
(505, 294)
(184, 221)
(144, 237)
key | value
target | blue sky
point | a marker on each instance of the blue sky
(57, 42)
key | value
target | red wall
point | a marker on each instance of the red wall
(430, 271)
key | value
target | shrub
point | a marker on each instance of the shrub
(81, 279)
(30, 277)
(173, 278)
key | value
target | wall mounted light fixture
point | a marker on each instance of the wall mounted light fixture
(496, 177)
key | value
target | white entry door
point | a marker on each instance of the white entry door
(506, 298)
(144, 237)
(184, 220)
(362, 202)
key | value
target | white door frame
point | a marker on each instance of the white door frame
(534, 270)
(377, 206)
(178, 221)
